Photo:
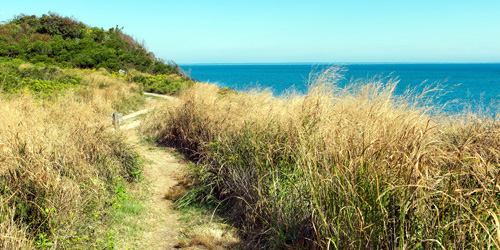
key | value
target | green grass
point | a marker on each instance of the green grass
(42, 81)
(126, 221)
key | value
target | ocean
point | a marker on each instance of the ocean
(466, 85)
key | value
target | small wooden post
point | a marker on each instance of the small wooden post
(117, 119)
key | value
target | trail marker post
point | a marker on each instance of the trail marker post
(117, 119)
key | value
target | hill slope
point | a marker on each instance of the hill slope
(52, 39)
(52, 43)
(63, 167)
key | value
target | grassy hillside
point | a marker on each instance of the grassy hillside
(52, 41)
(62, 163)
(353, 168)
(63, 166)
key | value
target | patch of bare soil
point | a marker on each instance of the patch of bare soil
(160, 166)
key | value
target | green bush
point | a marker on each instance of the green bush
(162, 84)
(63, 41)
(43, 81)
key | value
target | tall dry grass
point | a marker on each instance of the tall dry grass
(340, 168)
(61, 163)
(107, 94)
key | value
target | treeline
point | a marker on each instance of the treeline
(66, 42)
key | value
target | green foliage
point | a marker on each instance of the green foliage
(52, 42)
(63, 41)
(162, 84)
(43, 81)
(42, 241)
(130, 160)
(51, 24)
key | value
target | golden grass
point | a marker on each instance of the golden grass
(344, 168)
(107, 94)
(60, 163)
(12, 235)
(184, 183)
(213, 236)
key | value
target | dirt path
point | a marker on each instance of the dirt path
(159, 225)
(162, 230)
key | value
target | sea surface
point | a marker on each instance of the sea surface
(476, 86)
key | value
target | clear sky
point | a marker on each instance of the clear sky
(277, 31)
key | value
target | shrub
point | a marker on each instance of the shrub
(52, 24)
(42, 81)
(52, 39)
(162, 84)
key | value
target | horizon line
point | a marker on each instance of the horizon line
(333, 63)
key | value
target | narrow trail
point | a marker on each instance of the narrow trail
(160, 227)
(162, 223)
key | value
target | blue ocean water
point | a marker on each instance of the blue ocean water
(478, 84)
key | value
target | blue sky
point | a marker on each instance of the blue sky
(196, 31)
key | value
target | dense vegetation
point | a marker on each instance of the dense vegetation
(54, 43)
(62, 164)
(52, 39)
(17, 76)
(353, 168)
